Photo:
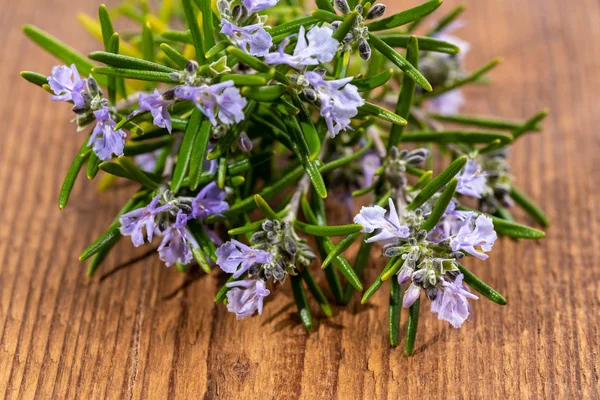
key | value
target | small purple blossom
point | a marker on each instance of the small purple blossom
(258, 5)
(147, 161)
(104, 139)
(471, 180)
(134, 222)
(252, 38)
(339, 101)
(66, 84)
(470, 235)
(412, 294)
(233, 253)
(177, 242)
(221, 100)
(371, 163)
(209, 201)
(451, 302)
(316, 47)
(244, 302)
(448, 103)
(157, 105)
(372, 218)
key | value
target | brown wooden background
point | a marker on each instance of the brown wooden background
(146, 331)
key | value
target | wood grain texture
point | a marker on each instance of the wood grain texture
(145, 331)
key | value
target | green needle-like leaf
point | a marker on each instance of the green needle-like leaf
(372, 82)
(93, 166)
(100, 256)
(393, 263)
(247, 80)
(301, 302)
(528, 205)
(121, 61)
(257, 64)
(264, 207)
(382, 113)
(404, 17)
(518, 231)
(394, 312)
(175, 56)
(340, 248)
(136, 173)
(347, 24)
(264, 93)
(440, 206)
(72, 173)
(134, 149)
(411, 327)
(148, 48)
(150, 76)
(330, 230)
(326, 16)
(406, 93)
(446, 137)
(192, 23)
(207, 23)
(444, 22)
(400, 61)
(293, 26)
(105, 25)
(325, 5)
(199, 155)
(316, 291)
(425, 43)
(481, 287)
(35, 78)
(480, 121)
(178, 36)
(437, 183)
(530, 124)
(185, 151)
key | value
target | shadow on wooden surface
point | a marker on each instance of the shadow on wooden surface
(150, 332)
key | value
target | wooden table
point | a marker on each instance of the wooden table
(144, 331)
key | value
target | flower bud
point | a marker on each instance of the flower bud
(335, 24)
(191, 67)
(404, 275)
(432, 293)
(412, 294)
(244, 142)
(342, 5)
(376, 11)
(310, 95)
(364, 49)
(93, 87)
(290, 246)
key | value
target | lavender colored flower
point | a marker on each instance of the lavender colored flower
(221, 100)
(470, 235)
(147, 161)
(258, 5)
(177, 243)
(316, 47)
(339, 101)
(471, 181)
(157, 105)
(244, 302)
(372, 218)
(448, 103)
(371, 163)
(104, 139)
(451, 303)
(252, 38)
(209, 201)
(233, 253)
(412, 294)
(66, 84)
(134, 222)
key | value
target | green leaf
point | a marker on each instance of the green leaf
(265, 208)
(425, 43)
(72, 173)
(136, 173)
(382, 113)
(199, 149)
(372, 82)
(480, 121)
(185, 151)
(178, 36)
(326, 16)
(113, 47)
(325, 5)
(61, 51)
(301, 302)
(437, 183)
(394, 312)
(175, 56)
(481, 287)
(411, 327)
(264, 93)
(137, 148)
(404, 17)
(192, 23)
(35, 78)
(518, 231)
(530, 124)
(330, 230)
(393, 263)
(99, 257)
(440, 206)
(340, 248)
(207, 23)
(93, 164)
(150, 76)
(316, 291)
(407, 91)
(105, 25)
(216, 49)
(256, 64)
(222, 172)
(347, 24)
(528, 205)
(293, 26)
(126, 62)
(400, 61)
(444, 22)
(423, 180)
(446, 137)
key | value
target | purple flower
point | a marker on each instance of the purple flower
(339, 101)
(175, 245)
(147, 161)
(66, 84)
(371, 163)
(321, 47)
(221, 100)
(372, 218)
(412, 294)
(209, 201)
(258, 5)
(134, 222)
(105, 140)
(448, 103)
(470, 235)
(252, 38)
(451, 303)
(471, 181)
(244, 302)
(157, 105)
(233, 253)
